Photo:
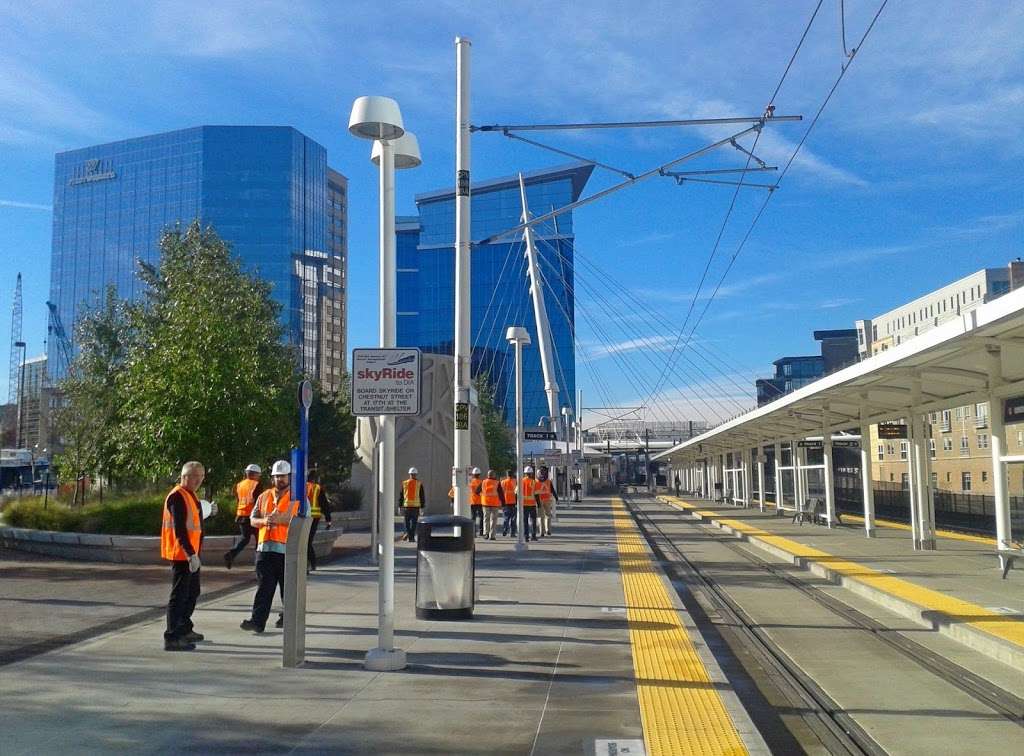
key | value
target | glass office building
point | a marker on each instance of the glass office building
(266, 190)
(500, 288)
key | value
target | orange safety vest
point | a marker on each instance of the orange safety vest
(529, 488)
(313, 494)
(490, 493)
(411, 493)
(475, 484)
(543, 490)
(508, 488)
(244, 490)
(266, 505)
(169, 546)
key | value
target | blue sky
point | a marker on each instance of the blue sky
(910, 179)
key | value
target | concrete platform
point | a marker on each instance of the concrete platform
(956, 589)
(552, 663)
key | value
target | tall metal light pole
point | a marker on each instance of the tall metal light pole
(518, 337)
(463, 314)
(380, 119)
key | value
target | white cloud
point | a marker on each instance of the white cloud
(25, 205)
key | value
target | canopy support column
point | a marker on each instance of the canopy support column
(867, 486)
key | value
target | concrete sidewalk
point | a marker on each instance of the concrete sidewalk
(545, 667)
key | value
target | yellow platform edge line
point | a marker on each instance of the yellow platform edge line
(978, 617)
(680, 708)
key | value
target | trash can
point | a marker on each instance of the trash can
(444, 567)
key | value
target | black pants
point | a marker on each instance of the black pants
(245, 533)
(478, 517)
(310, 554)
(530, 519)
(509, 525)
(184, 593)
(412, 516)
(270, 577)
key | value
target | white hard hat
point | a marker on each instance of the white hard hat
(281, 468)
(255, 469)
(413, 471)
(528, 469)
(476, 471)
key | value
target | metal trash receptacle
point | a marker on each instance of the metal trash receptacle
(445, 567)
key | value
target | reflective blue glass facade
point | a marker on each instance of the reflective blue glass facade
(263, 189)
(500, 289)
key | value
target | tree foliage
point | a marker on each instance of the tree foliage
(498, 437)
(332, 428)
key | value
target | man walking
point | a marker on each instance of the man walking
(271, 516)
(476, 505)
(411, 500)
(490, 493)
(508, 498)
(528, 490)
(319, 507)
(246, 491)
(546, 497)
(181, 540)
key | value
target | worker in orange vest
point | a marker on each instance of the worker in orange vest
(476, 504)
(546, 498)
(508, 500)
(246, 491)
(271, 515)
(319, 508)
(411, 499)
(528, 490)
(181, 540)
(491, 497)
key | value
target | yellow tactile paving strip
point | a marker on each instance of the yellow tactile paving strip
(956, 610)
(681, 710)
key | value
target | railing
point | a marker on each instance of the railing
(981, 421)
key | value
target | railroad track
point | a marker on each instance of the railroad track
(834, 727)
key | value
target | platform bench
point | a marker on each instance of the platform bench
(1007, 558)
(821, 512)
(798, 514)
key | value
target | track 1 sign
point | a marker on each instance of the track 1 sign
(386, 381)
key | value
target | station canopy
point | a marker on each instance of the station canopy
(975, 357)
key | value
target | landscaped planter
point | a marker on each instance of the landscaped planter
(95, 547)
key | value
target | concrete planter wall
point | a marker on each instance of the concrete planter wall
(93, 547)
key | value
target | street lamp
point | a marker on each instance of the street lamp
(380, 119)
(518, 337)
(566, 414)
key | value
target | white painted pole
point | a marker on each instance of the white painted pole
(386, 657)
(760, 475)
(798, 477)
(520, 524)
(915, 521)
(997, 423)
(463, 313)
(827, 476)
(866, 482)
(927, 501)
(777, 448)
(748, 488)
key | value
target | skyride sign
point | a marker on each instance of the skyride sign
(386, 382)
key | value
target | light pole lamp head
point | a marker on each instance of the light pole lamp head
(376, 118)
(517, 335)
(406, 150)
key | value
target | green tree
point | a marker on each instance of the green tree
(208, 377)
(332, 428)
(498, 437)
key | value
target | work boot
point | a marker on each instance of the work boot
(179, 644)
(229, 559)
(248, 624)
(193, 637)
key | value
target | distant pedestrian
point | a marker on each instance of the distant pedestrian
(490, 493)
(528, 490)
(546, 498)
(412, 500)
(577, 486)
(476, 505)
(678, 485)
(508, 497)
(181, 541)
(246, 491)
(271, 515)
(319, 508)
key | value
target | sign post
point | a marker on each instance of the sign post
(385, 383)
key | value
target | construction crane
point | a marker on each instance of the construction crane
(12, 379)
(55, 330)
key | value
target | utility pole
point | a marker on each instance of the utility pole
(463, 313)
(647, 460)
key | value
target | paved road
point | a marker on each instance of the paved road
(47, 603)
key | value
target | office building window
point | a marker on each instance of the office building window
(904, 447)
(931, 447)
(964, 448)
(935, 479)
(965, 481)
(984, 476)
(1020, 438)
(889, 449)
(881, 452)
(949, 477)
(947, 444)
(982, 440)
(905, 481)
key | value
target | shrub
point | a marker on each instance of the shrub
(29, 513)
(347, 499)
